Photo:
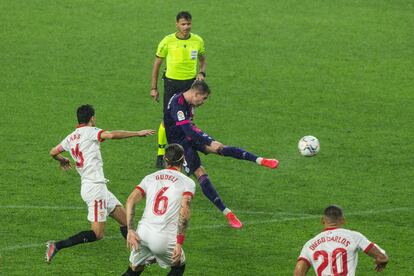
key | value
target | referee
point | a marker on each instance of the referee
(183, 51)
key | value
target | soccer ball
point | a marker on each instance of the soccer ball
(309, 146)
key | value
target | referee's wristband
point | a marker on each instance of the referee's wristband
(203, 73)
(180, 239)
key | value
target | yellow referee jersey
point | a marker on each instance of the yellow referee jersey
(181, 55)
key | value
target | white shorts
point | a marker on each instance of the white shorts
(101, 202)
(158, 244)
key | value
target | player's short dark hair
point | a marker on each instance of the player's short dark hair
(185, 15)
(333, 213)
(85, 113)
(174, 155)
(201, 86)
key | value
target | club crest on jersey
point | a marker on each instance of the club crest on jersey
(180, 116)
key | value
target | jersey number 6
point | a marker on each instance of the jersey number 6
(325, 261)
(161, 202)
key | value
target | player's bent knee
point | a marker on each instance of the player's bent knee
(199, 172)
(209, 149)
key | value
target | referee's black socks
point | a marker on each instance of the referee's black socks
(81, 237)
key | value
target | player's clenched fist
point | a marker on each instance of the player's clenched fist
(176, 256)
(155, 95)
(133, 240)
(65, 163)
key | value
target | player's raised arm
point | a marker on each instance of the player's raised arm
(55, 154)
(182, 227)
(381, 258)
(133, 239)
(122, 134)
(301, 268)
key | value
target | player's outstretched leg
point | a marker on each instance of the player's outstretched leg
(81, 237)
(162, 142)
(242, 154)
(177, 270)
(210, 192)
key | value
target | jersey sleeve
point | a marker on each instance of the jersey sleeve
(192, 132)
(64, 145)
(95, 134)
(189, 188)
(162, 49)
(142, 187)
(202, 50)
(304, 255)
(362, 242)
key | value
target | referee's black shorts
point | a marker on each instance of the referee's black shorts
(172, 87)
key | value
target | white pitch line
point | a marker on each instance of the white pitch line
(305, 217)
(213, 210)
(42, 207)
(360, 213)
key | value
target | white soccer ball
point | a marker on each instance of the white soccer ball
(309, 146)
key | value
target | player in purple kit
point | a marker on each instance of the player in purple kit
(181, 129)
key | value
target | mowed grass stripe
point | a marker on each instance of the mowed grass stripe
(265, 221)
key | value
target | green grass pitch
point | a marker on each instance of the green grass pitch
(342, 71)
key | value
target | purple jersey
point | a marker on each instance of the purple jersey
(179, 125)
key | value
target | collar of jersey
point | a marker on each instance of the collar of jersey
(189, 36)
(174, 169)
(330, 228)
(182, 95)
(81, 125)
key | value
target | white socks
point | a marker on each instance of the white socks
(226, 211)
